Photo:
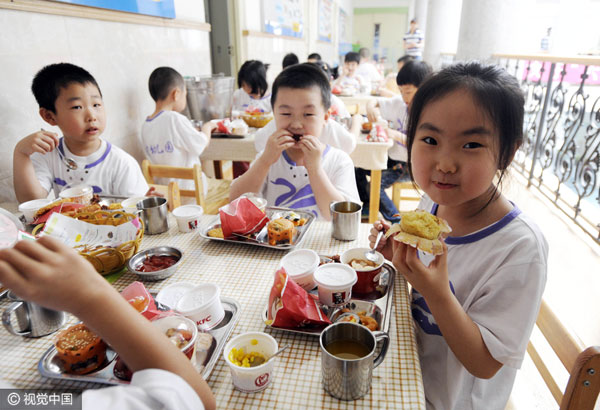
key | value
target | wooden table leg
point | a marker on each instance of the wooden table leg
(375, 186)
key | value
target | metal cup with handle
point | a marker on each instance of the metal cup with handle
(34, 320)
(154, 214)
(350, 379)
(345, 219)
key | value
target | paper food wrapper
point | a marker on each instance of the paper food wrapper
(290, 306)
(137, 290)
(241, 216)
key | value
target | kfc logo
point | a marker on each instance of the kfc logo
(262, 380)
(193, 224)
(205, 320)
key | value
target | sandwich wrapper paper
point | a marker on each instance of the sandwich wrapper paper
(242, 217)
(290, 306)
(137, 289)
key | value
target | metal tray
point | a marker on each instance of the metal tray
(379, 308)
(261, 238)
(50, 366)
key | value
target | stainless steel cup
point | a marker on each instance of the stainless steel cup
(345, 219)
(154, 214)
(350, 379)
(33, 319)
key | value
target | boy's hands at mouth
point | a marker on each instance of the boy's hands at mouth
(40, 141)
(312, 148)
(278, 142)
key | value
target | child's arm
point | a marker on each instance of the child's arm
(27, 185)
(373, 111)
(460, 332)
(396, 136)
(325, 192)
(45, 270)
(356, 124)
(252, 180)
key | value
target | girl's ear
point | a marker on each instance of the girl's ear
(48, 116)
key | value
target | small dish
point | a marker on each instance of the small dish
(154, 257)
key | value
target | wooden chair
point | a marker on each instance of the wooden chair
(582, 364)
(397, 196)
(217, 193)
(171, 192)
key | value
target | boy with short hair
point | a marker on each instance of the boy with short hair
(69, 97)
(350, 78)
(296, 170)
(168, 137)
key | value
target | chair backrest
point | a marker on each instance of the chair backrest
(152, 171)
(397, 196)
(582, 364)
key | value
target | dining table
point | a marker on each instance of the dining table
(245, 273)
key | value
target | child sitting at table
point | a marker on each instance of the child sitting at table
(395, 111)
(474, 306)
(296, 169)
(350, 82)
(44, 271)
(168, 137)
(69, 97)
(253, 86)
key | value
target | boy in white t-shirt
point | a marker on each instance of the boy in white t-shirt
(350, 81)
(168, 137)
(296, 170)
(69, 98)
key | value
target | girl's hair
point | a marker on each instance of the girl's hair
(254, 73)
(413, 72)
(496, 93)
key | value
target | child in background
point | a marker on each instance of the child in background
(475, 305)
(288, 60)
(296, 169)
(69, 98)
(252, 83)
(313, 58)
(168, 137)
(395, 111)
(44, 271)
(350, 82)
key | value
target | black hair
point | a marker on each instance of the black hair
(49, 80)
(405, 59)
(315, 56)
(254, 73)
(495, 92)
(289, 59)
(364, 52)
(302, 76)
(162, 81)
(323, 66)
(352, 56)
(413, 72)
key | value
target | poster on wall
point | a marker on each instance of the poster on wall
(158, 8)
(344, 45)
(325, 17)
(283, 17)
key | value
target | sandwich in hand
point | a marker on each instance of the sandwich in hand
(421, 230)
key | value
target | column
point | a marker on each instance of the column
(420, 9)
(441, 36)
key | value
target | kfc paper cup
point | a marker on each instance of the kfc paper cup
(335, 282)
(29, 208)
(203, 305)
(368, 276)
(79, 194)
(188, 217)
(300, 265)
(252, 379)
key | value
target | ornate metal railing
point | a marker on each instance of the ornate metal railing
(560, 155)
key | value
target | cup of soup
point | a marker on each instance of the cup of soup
(367, 272)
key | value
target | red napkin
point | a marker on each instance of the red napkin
(139, 297)
(241, 216)
(290, 306)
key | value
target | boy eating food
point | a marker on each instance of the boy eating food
(296, 170)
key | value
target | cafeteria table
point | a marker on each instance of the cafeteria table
(245, 273)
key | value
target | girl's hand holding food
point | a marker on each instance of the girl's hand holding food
(385, 245)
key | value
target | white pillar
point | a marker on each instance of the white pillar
(421, 11)
(443, 25)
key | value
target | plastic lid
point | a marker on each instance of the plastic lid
(77, 190)
(198, 297)
(187, 211)
(170, 295)
(300, 262)
(35, 204)
(335, 275)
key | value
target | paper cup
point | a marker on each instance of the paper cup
(368, 277)
(300, 265)
(29, 208)
(335, 281)
(188, 217)
(203, 305)
(79, 194)
(129, 205)
(252, 379)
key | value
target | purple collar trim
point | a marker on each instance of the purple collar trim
(148, 119)
(474, 237)
(93, 164)
(289, 160)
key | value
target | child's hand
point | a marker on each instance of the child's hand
(372, 111)
(208, 127)
(385, 244)
(40, 141)
(396, 135)
(431, 281)
(312, 148)
(153, 192)
(278, 142)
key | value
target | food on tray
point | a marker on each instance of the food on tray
(296, 219)
(236, 127)
(281, 230)
(377, 134)
(421, 230)
(204, 343)
(362, 264)
(215, 233)
(179, 337)
(367, 321)
(256, 117)
(241, 217)
(156, 262)
(336, 89)
(367, 126)
(140, 303)
(251, 359)
(80, 350)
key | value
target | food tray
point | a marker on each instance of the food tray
(50, 366)
(261, 238)
(223, 135)
(377, 305)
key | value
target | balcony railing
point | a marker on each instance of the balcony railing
(560, 155)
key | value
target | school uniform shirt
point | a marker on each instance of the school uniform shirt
(338, 105)
(353, 82)
(288, 185)
(242, 100)
(369, 72)
(416, 37)
(334, 134)
(109, 170)
(150, 389)
(394, 110)
(169, 138)
(498, 275)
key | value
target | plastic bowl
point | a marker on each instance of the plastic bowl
(203, 305)
(367, 278)
(257, 120)
(335, 281)
(252, 379)
(29, 208)
(188, 217)
(137, 259)
(177, 322)
(79, 194)
(301, 265)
